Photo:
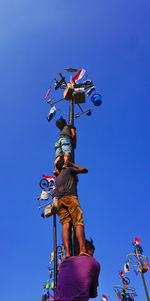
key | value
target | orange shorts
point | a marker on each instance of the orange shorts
(70, 210)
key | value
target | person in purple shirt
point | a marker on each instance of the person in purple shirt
(78, 277)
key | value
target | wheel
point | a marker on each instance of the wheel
(126, 280)
(44, 184)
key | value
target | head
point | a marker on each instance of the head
(60, 123)
(59, 164)
(88, 245)
(67, 157)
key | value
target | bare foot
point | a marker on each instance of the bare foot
(84, 254)
(67, 256)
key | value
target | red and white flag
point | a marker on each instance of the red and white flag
(49, 178)
(121, 273)
(52, 298)
(104, 298)
(78, 76)
(136, 240)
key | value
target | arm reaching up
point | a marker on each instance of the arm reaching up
(80, 168)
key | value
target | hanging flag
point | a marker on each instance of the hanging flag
(78, 76)
(121, 273)
(52, 298)
(136, 240)
(49, 90)
(104, 298)
(48, 178)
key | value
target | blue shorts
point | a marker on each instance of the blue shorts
(62, 146)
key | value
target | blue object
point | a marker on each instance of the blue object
(96, 99)
(127, 294)
(89, 113)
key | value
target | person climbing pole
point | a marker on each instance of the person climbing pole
(68, 205)
(66, 143)
(78, 277)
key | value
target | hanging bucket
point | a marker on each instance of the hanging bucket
(96, 99)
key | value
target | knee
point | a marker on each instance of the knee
(66, 226)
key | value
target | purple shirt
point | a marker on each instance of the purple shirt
(77, 279)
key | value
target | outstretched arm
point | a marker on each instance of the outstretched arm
(80, 168)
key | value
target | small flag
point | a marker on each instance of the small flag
(104, 298)
(78, 76)
(121, 273)
(48, 178)
(136, 240)
(49, 90)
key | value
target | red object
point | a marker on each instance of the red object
(52, 298)
(78, 75)
(121, 273)
(47, 93)
(136, 240)
(49, 178)
(104, 297)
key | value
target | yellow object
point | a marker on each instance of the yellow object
(52, 257)
(144, 267)
(52, 286)
(48, 211)
(126, 267)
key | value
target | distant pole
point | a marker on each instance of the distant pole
(55, 253)
(140, 265)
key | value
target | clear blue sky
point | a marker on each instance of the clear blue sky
(110, 39)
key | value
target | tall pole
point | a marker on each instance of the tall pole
(71, 122)
(140, 265)
(55, 253)
(71, 119)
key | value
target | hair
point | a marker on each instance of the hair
(60, 123)
(88, 246)
(60, 164)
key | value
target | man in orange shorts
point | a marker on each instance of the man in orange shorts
(68, 205)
